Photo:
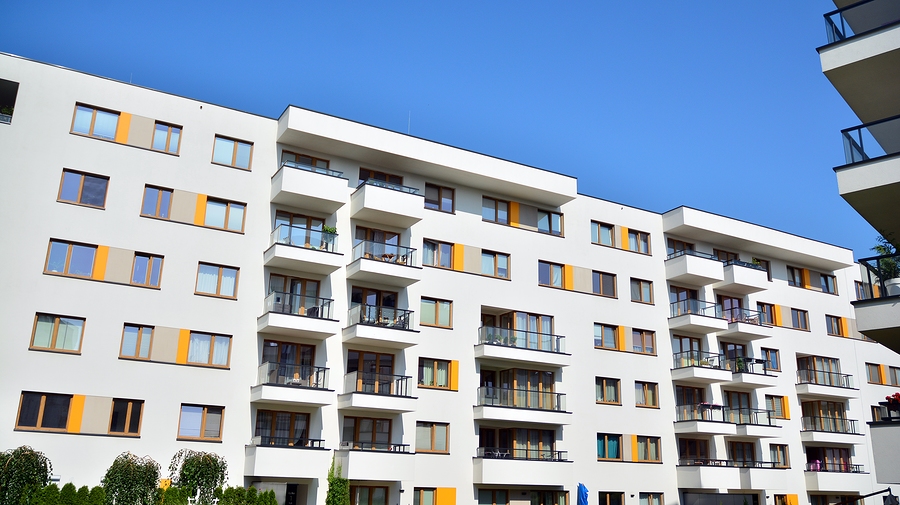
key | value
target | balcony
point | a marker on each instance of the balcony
(749, 372)
(377, 391)
(504, 345)
(878, 314)
(825, 384)
(308, 187)
(300, 316)
(522, 405)
(753, 422)
(285, 458)
(836, 476)
(830, 430)
(704, 473)
(382, 263)
(380, 326)
(388, 204)
(699, 367)
(703, 419)
(694, 268)
(884, 431)
(743, 278)
(520, 467)
(745, 325)
(696, 316)
(303, 250)
(384, 462)
(292, 384)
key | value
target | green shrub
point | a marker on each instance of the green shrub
(68, 495)
(338, 488)
(23, 472)
(49, 495)
(267, 498)
(195, 470)
(97, 496)
(132, 480)
(83, 496)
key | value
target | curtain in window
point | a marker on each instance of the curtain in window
(654, 449)
(213, 423)
(68, 336)
(651, 398)
(428, 308)
(379, 496)
(427, 374)
(642, 449)
(556, 271)
(443, 375)
(423, 436)
(263, 423)
(440, 437)
(207, 279)
(487, 264)
(639, 394)
(220, 351)
(191, 418)
(610, 394)
(443, 313)
(428, 253)
(198, 350)
(229, 278)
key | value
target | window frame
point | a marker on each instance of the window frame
(652, 498)
(600, 275)
(604, 498)
(137, 343)
(767, 352)
(40, 415)
(893, 376)
(374, 176)
(434, 365)
(434, 427)
(780, 450)
(550, 215)
(767, 312)
(646, 386)
(128, 413)
(602, 383)
(437, 304)
(793, 273)
(549, 266)
(640, 285)
(202, 427)
(237, 277)
(94, 110)
(228, 209)
(606, 439)
(497, 203)
(55, 333)
(169, 128)
(213, 338)
(780, 400)
(767, 264)
(292, 431)
(84, 176)
(598, 226)
(439, 205)
(603, 326)
(70, 247)
(236, 142)
(648, 442)
(438, 255)
(150, 270)
(804, 321)
(834, 326)
(831, 283)
(644, 334)
(496, 256)
(639, 235)
(870, 367)
(159, 199)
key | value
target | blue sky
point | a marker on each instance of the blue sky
(720, 106)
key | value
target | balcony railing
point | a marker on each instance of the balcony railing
(6, 118)
(700, 412)
(383, 252)
(859, 18)
(299, 236)
(377, 315)
(373, 446)
(742, 315)
(727, 463)
(829, 424)
(298, 305)
(692, 253)
(880, 276)
(290, 374)
(310, 168)
(839, 380)
(694, 306)
(747, 365)
(833, 466)
(522, 339)
(389, 185)
(697, 358)
(867, 141)
(526, 454)
(521, 398)
(756, 417)
(744, 264)
(296, 443)
(886, 412)
(377, 383)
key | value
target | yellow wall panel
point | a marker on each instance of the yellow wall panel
(184, 341)
(514, 214)
(786, 407)
(634, 449)
(804, 277)
(200, 212)
(76, 412)
(793, 499)
(620, 338)
(445, 496)
(123, 127)
(777, 315)
(623, 237)
(100, 263)
(454, 375)
(568, 277)
(845, 328)
(882, 377)
(459, 257)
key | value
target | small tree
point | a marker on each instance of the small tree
(196, 471)
(49, 495)
(68, 495)
(84, 496)
(888, 266)
(267, 498)
(338, 488)
(23, 472)
(97, 496)
(132, 480)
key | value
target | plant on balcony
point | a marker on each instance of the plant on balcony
(889, 267)
(7, 109)
(23, 472)
(338, 487)
(199, 473)
(131, 479)
(892, 402)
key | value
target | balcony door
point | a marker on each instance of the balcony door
(731, 307)
(830, 459)
(687, 350)
(295, 362)
(725, 255)
(531, 388)
(529, 330)
(824, 415)
(743, 453)
(294, 295)
(367, 433)
(687, 400)
(379, 244)
(374, 371)
(284, 429)
(299, 230)
(693, 449)
(738, 403)
(368, 495)
(682, 296)
(821, 370)
(365, 174)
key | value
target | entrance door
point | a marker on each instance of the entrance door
(290, 496)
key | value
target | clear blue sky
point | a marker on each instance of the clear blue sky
(716, 105)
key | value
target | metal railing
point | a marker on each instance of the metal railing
(745, 264)
(694, 306)
(727, 463)
(389, 185)
(742, 315)
(828, 424)
(6, 118)
(296, 443)
(526, 454)
(833, 466)
(356, 445)
(835, 379)
(692, 252)
(299, 236)
(522, 339)
(290, 374)
(756, 417)
(521, 398)
(310, 168)
(703, 359)
(377, 315)
(380, 251)
(880, 276)
(700, 412)
(887, 413)
(298, 305)
(867, 141)
(859, 18)
(377, 383)
(747, 365)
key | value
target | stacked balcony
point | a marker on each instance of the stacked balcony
(294, 315)
(694, 268)
(387, 204)
(520, 467)
(286, 458)
(742, 278)
(308, 187)
(877, 314)
(521, 405)
(373, 391)
(705, 473)
(816, 383)
(830, 430)
(387, 327)
(696, 316)
(835, 476)
(520, 347)
(303, 249)
(381, 263)
(292, 384)
(745, 325)
(711, 419)
(374, 461)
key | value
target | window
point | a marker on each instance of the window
(366, 174)
(773, 361)
(766, 312)
(645, 394)
(608, 390)
(725, 256)
(603, 234)
(146, 270)
(795, 276)
(95, 122)
(643, 341)
(775, 405)
(368, 495)
(607, 498)
(648, 449)
(437, 254)
(206, 349)
(366, 433)
(166, 138)
(303, 159)
(57, 333)
(860, 289)
(217, 280)
(434, 373)
(432, 437)
(764, 264)
(436, 313)
(285, 429)
(422, 496)
(603, 284)
(828, 283)
(639, 241)
(550, 274)
(549, 222)
(651, 499)
(833, 326)
(200, 422)
(231, 152)
(894, 375)
(495, 264)
(83, 189)
(675, 247)
(778, 455)
(799, 319)
(67, 258)
(43, 411)
(605, 336)
(641, 291)
(873, 374)
(609, 446)
(157, 202)
(495, 211)
(136, 341)
(126, 417)
(439, 198)
(225, 215)
(691, 449)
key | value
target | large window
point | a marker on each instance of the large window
(366, 433)
(126, 417)
(648, 449)
(607, 498)
(166, 138)
(367, 174)
(57, 333)
(437, 254)
(607, 390)
(646, 394)
(799, 319)
(549, 222)
(833, 326)
(200, 422)
(432, 437)
(157, 202)
(795, 276)
(775, 405)
(285, 429)
(641, 291)
(83, 189)
(439, 198)
(304, 159)
(224, 215)
(639, 241)
(368, 495)
(495, 211)
(434, 373)
(146, 270)
(217, 280)
(436, 313)
(206, 349)
(603, 284)
(678, 246)
(495, 264)
(766, 312)
(423, 496)
(643, 341)
(828, 284)
(605, 336)
(136, 341)
(231, 152)
(772, 358)
(609, 446)
(651, 499)
(43, 411)
(603, 234)
(778, 454)
(95, 122)
(68, 258)
(873, 374)
(550, 274)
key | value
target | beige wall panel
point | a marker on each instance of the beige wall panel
(118, 265)
(184, 205)
(527, 217)
(851, 328)
(472, 260)
(582, 279)
(96, 415)
(165, 344)
(815, 280)
(140, 133)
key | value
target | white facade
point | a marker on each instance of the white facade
(498, 451)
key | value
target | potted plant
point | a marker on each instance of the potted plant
(888, 267)
(328, 234)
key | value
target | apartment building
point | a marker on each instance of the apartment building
(447, 326)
